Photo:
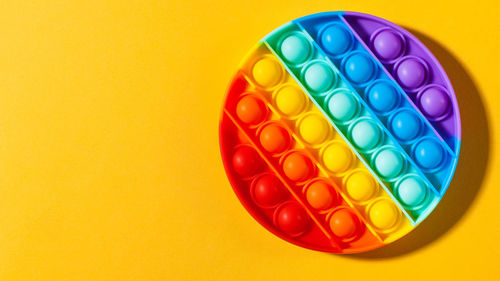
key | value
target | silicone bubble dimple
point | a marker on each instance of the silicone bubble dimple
(383, 214)
(313, 128)
(359, 68)
(365, 134)
(342, 105)
(267, 72)
(360, 186)
(274, 138)
(320, 195)
(292, 219)
(434, 101)
(268, 191)
(405, 125)
(246, 161)
(295, 48)
(429, 153)
(290, 100)
(297, 166)
(388, 44)
(412, 191)
(344, 224)
(335, 39)
(337, 157)
(319, 77)
(382, 96)
(411, 72)
(250, 110)
(389, 163)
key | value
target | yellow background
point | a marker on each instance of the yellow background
(109, 158)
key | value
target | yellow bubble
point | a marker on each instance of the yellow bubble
(290, 100)
(267, 72)
(313, 129)
(383, 214)
(337, 157)
(360, 186)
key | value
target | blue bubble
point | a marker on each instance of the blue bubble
(412, 191)
(295, 49)
(405, 125)
(429, 154)
(335, 39)
(319, 77)
(342, 106)
(359, 68)
(365, 134)
(382, 97)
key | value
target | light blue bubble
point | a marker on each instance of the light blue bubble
(405, 125)
(319, 77)
(365, 134)
(359, 68)
(389, 163)
(429, 154)
(335, 39)
(295, 49)
(382, 97)
(342, 106)
(412, 191)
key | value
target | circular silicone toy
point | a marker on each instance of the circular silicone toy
(340, 132)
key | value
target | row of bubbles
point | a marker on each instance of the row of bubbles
(420, 76)
(273, 138)
(328, 152)
(297, 166)
(360, 126)
(411, 131)
(268, 192)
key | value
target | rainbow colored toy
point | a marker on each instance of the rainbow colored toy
(340, 132)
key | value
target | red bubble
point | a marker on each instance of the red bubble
(246, 161)
(292, 219)
(269, 191)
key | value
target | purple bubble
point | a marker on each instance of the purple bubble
(434, 102)
(411, 73)
(388, 45)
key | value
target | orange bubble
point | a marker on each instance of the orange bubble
(320, 195)
(343, 224)
(274, 138)
(250, 110)
(297, 167)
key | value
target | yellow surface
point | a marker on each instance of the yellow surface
(110, 168)
(383, 214)
(290, 100)
(267, 72)
(337, 157)
(360, 186)
(314, 129)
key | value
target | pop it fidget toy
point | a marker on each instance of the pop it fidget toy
(340, 132)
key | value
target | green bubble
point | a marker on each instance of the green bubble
(365, 134)
(412, 191)
(342, 106)
(295, 49)
(319, 77)
(389, 163)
